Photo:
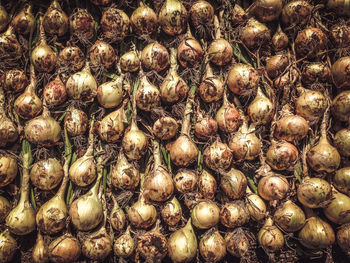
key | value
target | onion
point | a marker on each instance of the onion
(83, 171)
(289, 217)
(217, 156)
(8, 130)
(234, 214)
(275, 65)
(291, 128)
(46, 174)
(228, 117)
(205, 127)
(207, 185)
(21, 219)
(340, 106)
(202, 13)
(51, 216)
(43, 57)
(340, 7)
(173, 89)
(205, 215)
(158, 185)
(172, 17)
(342, 142)
(340, 74)
(8, 246)
(130, 61)
(184, 151)
(285, 81)
(43, 130)
(261, 109)
(281, 155)
(182, 244)
(343, 238)
(28, 104)
(172, 212)
(144, 20)
(55, 20)
(270, 237)
(338, 209)
(238, 14)
(155, 57)
(273, 187)
(211, 88)
(147, 95)
(255, 206)
(234, 184)
(101, 54)
(124, 175)
(280, 40)
(266, 10)
(55, 92)
(189, 51)
(220, 51)
(65, 248)
(212, 246)
(341, 180)
(76, 122)
(255, 34)
(110, 94)
(244, 144)
(310, 42)
(40, 252)
(114, 24)
(165, 128)
(86, 212)
(238, 242)
(340, 35)
(72, 58)
(8, 169)
(152, 245)
(10, 48)
(314, 192)
(142, 215)
(185, 181)
(82, 85)
(24, 21)
(82, 24)
(14, 80)
(316, 234)
(4, 18)
(310, 104)
(117, 217)
(124, 245)
(315, 72)
(5, 208)
(243, 79)
(296, 13)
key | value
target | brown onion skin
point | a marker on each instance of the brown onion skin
(267, 10)
(207, 185)
(82, 24)
(296, 13)
(24, 21)
(289, 217)
(256, 206)
(72, 58)
(5, 208)
(55, 92)
(202, 13)
(8, 169)
(282, 155)
(286, 79)
(340, 35)
(172, 17)
(76, 122)
(234, 184)
(338, 209)
(211, 89)
(172, 212)
(115, 24)
(4, 17)
(311, 105)
(341, 106)
(183, 151)
(273, 187)
(205, 215)
(315, 72)
(280, 40)
(242, 79)
(102, 53)
(217, 156)
(185, 181)
(228, 118)
(270, 237)
(342, 142)
(275, 65)
(65, 248)
(155, 57)
(220, 51)
(205, 128)
(343, 238)
(190, 53)
(14, 80)
(314, 192)
(165, 128)
(340, 72)
(255, 34)
(310, 42)
(144, 20)
(212, 246)
(46, 174)
(341, 180)
(130, 61)
(238, 242)
(238, 14)
(292, 128)
(55, 20)
(234, 214)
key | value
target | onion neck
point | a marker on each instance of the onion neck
(208, 71)
(42, 37)
(2, 103)
(100, 167)
(156, 154)
(67, 159)
(217, 28)
(173, 62)
(324, 125)
(31, 87)
(189, 33)
(186, 124)
(55, 5)
(86, 68)
(27, 159)
(90, 149)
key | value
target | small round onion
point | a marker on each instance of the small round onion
(296, 13)
(315, 72)
(314, 192)
(111, 127)
(341, 106)
(217, 156)
(76, 122)
(261, 109)
(158, 185)
(102, 54)
(212, 246)
(83, 171)
(340, 72)
(227, 117)
(267, 10)
(55, 92)
(337, 210)
(172, 17)
(14, 80)
(310, 42)
(110, 94)
(343, 238)
(276, 65)
(234, 184)
(238, 242)
(220, 52)
(65, 248)
(124, 175)
(172, 212)
(190, 52)
(256, 206)
(147, 95)
(207, 185)
(202, 13)
(8, 169)
(342, 142)
(340, 35)
(280, 40)
(117, 217)
(82, 24)
(289, 217)
(24, 21)
(43, 57)
(130, 61)
(205, 215)
(8, 246)
(124, 245)
(185, 181)
(287, 79)
(282, 155)
(114, 24)
(205, 128)
(72, 58)
(144, 20)
(255, 34)
(341, 180)
(311, 104)
(55, 20)
(9, 45)
(155, 57)
(243, 79)
(238, 14)
(212, 88)
(40, 252)
(291, 128)
(46, 174)
(270, 237)
(273, 187)
(142, 215)
(165, 128)
(234, 214)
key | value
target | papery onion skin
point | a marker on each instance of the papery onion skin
(8, 130)
(280, 40)
(338, 209)
(256, 206)
(185, 181)
(72, 58)
(165, 128)
(270, 237)
(124, 175)
(205, 128)
(65, 248)
(28, 105)
(255, 34)
(341, 180)
(172, 212)
(111, 127)
(341, 106)
(228, 118)
(46, 174)
(340, 35)
(291, 128)
(183, 151)
(82, 24)
(343, 238)
(98, 245)
(102, 54)
(8, 246)
(76, 122)
(8, 169)
(110, 94)
(237, 242)
(238, 14)
(117, 218)
(276, 65)
(40, 252)
(124, 245)
(9, 45)
(142, 215)
(14, 80)
(217, 156)
(340, 7)
(282, 155)
(234, 184)
(55, 92)
(207, 185)
(220, 51)
(5, 208)
(234, 214)
(202, 13)
(115, 24)
(289, 217)
(155, 57)
(83, 171)
(55, 20)
(261, 109)
(315, 72)
(130, 62)
(314, 192)
(296, 13)
(310, 42)
(342, 142)
(144, 20)
(205, 215)
(242, 79)
(273, 187)
(172, 17)
(212, 246)
(135, 142)
(267, 10)
(24, 21)
(147, 95)
(190, 53)
(311, 105)
(340, 72)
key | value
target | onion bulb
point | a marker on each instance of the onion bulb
(141, 214)
(314, 192)
(310, 42)
(282, 155)
(8, 130)
(341, 106)
(8, 246)
(72, 58)
(238, 15)
(266, 10)
(55, 92)
(273, 187)
(147, 95)
(43, 130)
(207, 185)
(101, 54)
(205, 215)
(130, 61)
(40, 252)
(182, 244)
(124, 245)
(338, 209)
(227, 117)
(340, 35)
(234, 214)
(76, 122)
(124, 175)
(117, 217)
(172, 212)
(65, 248)
(8, 169)
(110, 94)
(82, 24)
(217, 156)
(255, 206)
(255, 34)
(55, 20)
(46, 174)
(154, 57)
(202, 13)
(340, 72)
(243, 79)
(270, 237)
(279, 40)
(316, 234)
(165, 128)
(173, 89)
(212, 246)
(289, 217)
(114, 24)
(296, 13)
(341, 180)
(315, 72)
(234, 184)
(343, 238)
(144, 20)
(286, 80)
(4, 17)
(21, 219)
(189, 51)
(261, 109)
(205, 127)
(211, 88)
(14, 80)
(24, 21)
(276, 65)
(342, 142)
(238, 242)
(172, 17)
(185, 181)
(292, 128)
(158, 185)
(10, 48)
(5, 208)
(82, 85)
